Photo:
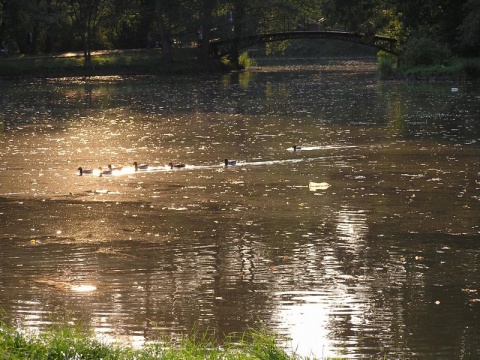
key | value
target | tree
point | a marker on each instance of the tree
(206, 9)
(437, 19)
(17, 24)
(126, 25)
(163, 11)
(469, 30)
(87, 16)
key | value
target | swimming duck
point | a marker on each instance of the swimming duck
(230, 162)
(178, 166)
(84, 171)
(140, 167)
(115, 168)
(104, 172)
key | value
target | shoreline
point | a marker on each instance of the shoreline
(129, 62)
(148, 62)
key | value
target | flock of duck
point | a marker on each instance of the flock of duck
(110, 170)
(136, 167)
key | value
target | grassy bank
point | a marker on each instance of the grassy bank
(456, 69)
(72, 342)
(463, 69)
(122, 62)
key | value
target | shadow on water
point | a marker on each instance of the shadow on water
(364, 240)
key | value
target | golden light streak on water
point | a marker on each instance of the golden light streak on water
(84, 288)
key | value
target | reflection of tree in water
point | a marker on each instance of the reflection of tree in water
(222, 248)
(352, 229)
(88, 97)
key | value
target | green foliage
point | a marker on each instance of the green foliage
(74, 342)
(146, 61)
(262, 346)
(279, 47)
(40, 66)
(425, 51)
(362, 16)
(456, 69)
(328, 48)
(66, 342)
(245, 61)
(77, 25)
(386, 64)
(434, 71)
(471, 68)
(469, 30)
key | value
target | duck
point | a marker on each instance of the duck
(140, 167)
(104, 172)
(118, 168)
(84, 171)
(230, 162)
(296, 147)
(178, 166)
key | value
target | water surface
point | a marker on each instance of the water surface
(383, 258)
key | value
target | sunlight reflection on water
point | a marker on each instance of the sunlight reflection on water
(384, 232)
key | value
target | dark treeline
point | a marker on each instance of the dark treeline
(53, 26)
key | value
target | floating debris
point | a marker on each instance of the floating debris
(318, 185)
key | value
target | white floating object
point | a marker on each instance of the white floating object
(454, 89)
(84, 288)
(318, 185)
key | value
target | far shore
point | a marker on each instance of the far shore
(130, 62)
(103, 63)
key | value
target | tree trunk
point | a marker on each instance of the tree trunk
(165, 39)
(87, 52)
(239, 15)
(207, 20)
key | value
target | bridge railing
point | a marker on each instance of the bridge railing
(258, 26)
(253, 31)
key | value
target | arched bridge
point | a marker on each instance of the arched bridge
(222, 47)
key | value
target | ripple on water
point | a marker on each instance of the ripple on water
(347, 270)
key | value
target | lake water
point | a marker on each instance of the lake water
(380, 256)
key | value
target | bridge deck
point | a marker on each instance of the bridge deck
(222, 47)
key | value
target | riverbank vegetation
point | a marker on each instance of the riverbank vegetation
(426, 59)
(455, 70)
(428, 33)
(74, 342)
(102, 63)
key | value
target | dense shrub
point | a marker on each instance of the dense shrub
(246, 61)
(386, 64)
(425, 51)
(471, 68)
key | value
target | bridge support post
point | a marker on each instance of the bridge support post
(234, 55)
